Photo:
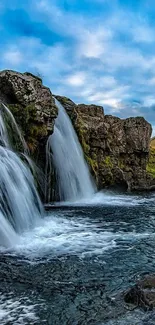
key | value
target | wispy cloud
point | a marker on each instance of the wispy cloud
(12, 57)
(77, 79)
(103, 55)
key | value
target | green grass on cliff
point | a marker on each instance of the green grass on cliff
(152, 143)
(151, 163)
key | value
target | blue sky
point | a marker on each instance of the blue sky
(93, 51)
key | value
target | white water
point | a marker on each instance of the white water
(62, 233)
(20, 206)
(74, 179)
(5, 113)
(18, 311)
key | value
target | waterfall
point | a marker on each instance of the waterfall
(6, 116)
(74, 180)
(20, 206)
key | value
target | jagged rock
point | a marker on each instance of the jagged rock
(117, 150)
(66, 102)
(143, 293)
(32, 105)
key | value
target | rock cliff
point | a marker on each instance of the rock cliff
(117, 150)
(32, 106)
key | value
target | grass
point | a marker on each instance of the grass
(151, 163)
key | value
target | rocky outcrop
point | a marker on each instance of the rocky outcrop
(32, 106)
(117, 150)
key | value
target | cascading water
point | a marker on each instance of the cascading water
(7, 115)
(20, 206)
(74, 179)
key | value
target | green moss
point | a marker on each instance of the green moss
(121, 164)
(109, 179)
(64, 100)
(151, 163)
(82, 135)
(23, 115)
(93, 164)
(108, 162)
(26, 118)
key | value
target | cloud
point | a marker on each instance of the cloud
(143, 34)
(103, 55)
(92, 43)
(77, 79)
(12, 57)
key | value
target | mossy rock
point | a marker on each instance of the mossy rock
(107, 163)
(31, 128)
(82, 135)
(151, 163)
(93, 165)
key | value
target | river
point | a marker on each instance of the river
(75, 265)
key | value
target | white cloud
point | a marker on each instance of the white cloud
(99, 59)
(91, 43)
(77, 79)
(149, 100)
(112, 97)
(13, 57)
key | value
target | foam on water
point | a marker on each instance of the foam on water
(57, 236)
(18, 310)
(102, 199)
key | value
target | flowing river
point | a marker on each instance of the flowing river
(71, 264)
(73, 267)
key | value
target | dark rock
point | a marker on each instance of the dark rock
(137, 297)
(33, 107)
(142, 294)
(66, 102)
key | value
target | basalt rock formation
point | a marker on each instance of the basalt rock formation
(117, 150)
(32, 106)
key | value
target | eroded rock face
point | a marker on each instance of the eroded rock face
(117, 150)
(31, 104)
